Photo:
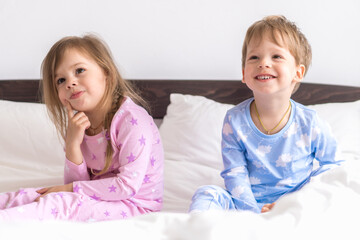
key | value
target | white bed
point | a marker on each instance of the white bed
(327, 208)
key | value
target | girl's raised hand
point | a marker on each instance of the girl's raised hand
(77, 124)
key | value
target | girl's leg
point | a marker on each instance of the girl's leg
(102, 210)
(21, 197)
(71, 206)
(211, 198)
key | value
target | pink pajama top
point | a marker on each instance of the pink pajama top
(135, 175)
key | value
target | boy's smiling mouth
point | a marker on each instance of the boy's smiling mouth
(264, 77)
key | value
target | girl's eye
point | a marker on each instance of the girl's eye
(60, 81)
(79, 70)
(277, 57)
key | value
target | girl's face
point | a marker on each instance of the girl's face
(270, 68)
(79, 81)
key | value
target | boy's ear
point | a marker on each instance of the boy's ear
(299, 73)
(243, 78)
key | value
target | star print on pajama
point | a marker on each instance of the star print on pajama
(259, 168)
(133, 185)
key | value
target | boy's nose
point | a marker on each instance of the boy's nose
(264, 64)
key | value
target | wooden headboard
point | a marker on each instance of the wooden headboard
(157, 92)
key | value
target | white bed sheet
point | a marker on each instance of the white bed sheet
(326, 208)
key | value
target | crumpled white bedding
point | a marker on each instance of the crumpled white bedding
(326, 208)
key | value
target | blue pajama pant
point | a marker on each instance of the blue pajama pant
(211, 197)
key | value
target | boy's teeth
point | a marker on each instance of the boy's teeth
(264, 77)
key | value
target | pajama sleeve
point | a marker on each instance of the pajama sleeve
(324, 146)
(235, 171)
(73, 172)
(132, 135)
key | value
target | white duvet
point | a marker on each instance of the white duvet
(326, 208)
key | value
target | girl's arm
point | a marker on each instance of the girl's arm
(75, 167)
(74, 172)
(235, 172)
(133, 135)
(77, 124)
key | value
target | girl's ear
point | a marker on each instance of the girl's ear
(300, 71)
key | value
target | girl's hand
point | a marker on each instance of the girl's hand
(61, 188)
(267, 207)
(77, 124)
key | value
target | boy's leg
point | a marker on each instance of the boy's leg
(211, 198)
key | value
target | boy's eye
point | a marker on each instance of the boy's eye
(60, 81)
(277, 57)
(79, 70)
(253, 57)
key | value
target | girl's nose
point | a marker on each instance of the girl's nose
(71, 82)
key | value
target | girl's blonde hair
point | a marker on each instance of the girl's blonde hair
(290, 35)
(116, 87)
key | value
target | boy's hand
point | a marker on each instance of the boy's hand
(267, 207)
(77, 124)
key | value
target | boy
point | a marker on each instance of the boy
(269, 142)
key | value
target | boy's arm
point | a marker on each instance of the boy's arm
(235, 172)
(324, 147)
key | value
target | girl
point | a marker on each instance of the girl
(114, 156)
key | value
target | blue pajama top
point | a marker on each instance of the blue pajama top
(259, 168)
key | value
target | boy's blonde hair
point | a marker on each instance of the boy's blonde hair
(116, 87)
(290, 35)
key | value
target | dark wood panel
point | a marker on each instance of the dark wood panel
(157, 92)
(309, 93)
(20, 90)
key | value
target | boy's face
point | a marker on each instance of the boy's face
(270, 68)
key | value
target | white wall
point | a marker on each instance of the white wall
(178, 39)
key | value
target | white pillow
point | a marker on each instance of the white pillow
(29, 146)
(344, 120)
(191, 130)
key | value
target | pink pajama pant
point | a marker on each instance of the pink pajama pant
(20, 205)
